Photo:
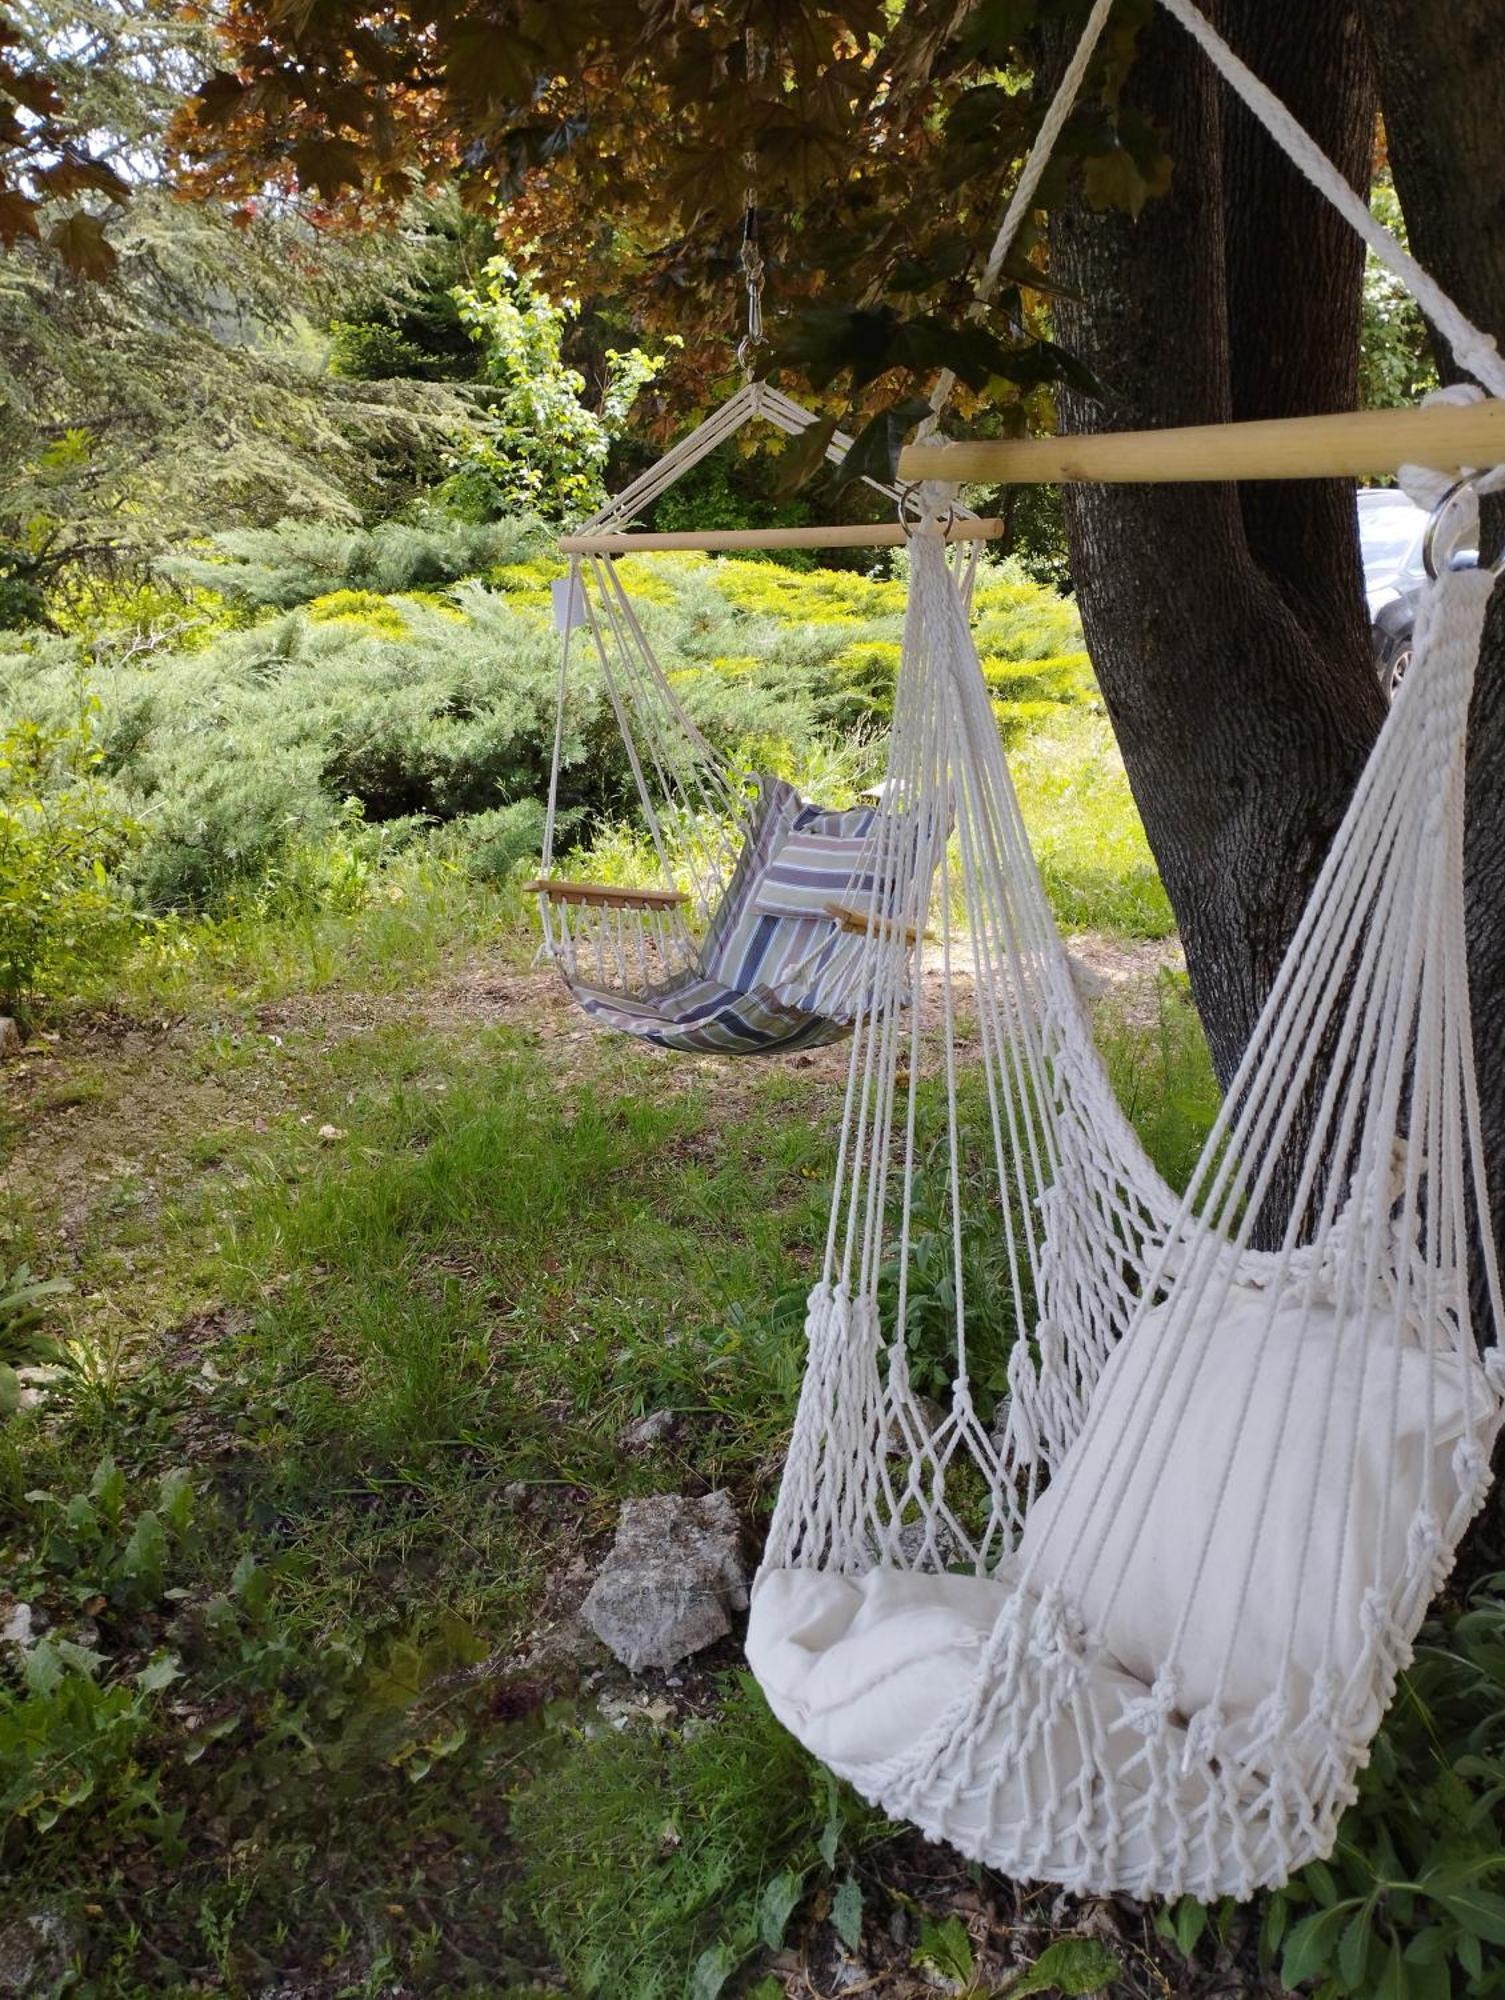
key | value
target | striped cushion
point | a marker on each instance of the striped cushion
(819, 862)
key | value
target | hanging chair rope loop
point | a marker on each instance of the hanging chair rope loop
(1123, 1607)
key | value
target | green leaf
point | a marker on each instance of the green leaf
(1353, 1948)
(777, 1905)
(1188, 1925)
(803, 460)
(1478, 1911)
(108, 1488)
(831, 1832)
(874, 452)
(846, 1914)
(175, 1499)
(10, 1390)
(1393, 1983)
(158, 1673)
(1072, 1965)
(946, 1948)
(1311, 1943)
(713, 1969)
(44, 1668)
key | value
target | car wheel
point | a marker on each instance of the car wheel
(1397, 667)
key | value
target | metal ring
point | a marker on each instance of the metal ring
(910, 521)
(1435, 520)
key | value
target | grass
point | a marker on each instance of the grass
(374, 1253)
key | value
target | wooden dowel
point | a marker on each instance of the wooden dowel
(853, 535)
(850, 919)
(1445, 436)
(612, 895)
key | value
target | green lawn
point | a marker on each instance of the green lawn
(368, 1278)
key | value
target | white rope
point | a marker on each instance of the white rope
(1017, 213)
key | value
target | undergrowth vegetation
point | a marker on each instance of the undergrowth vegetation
(307, 705)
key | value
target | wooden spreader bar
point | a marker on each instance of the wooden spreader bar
(1444, 436)
(851, 535)
(605, 895)
(849, 919)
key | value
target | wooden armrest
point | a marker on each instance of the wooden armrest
(607, 895)
(852, 919)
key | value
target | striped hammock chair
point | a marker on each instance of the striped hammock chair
(752, 939)
(1124, 1610)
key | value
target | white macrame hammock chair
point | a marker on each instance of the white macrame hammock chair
(754, 936)
(1129, 1619)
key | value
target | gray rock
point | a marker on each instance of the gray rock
(673, 1582)
(10, 1038)
(654, 1428)
(912, 1543)
(38, 1950)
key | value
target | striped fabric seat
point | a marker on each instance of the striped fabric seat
(762, 974)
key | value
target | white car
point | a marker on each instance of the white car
(1392, 532)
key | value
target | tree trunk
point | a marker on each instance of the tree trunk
(1226, 625)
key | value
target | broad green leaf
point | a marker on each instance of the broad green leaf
(1478, 1911)
(1393, 1982)
(108, 1487)
(1190, 1922)
(159, 1672)
(1072, 1965)
(10, 1390)
(946, 1948)
(1353, 1947)
(1311, 1944)
(713, 1969)
(777, 1905)
(846, 1914)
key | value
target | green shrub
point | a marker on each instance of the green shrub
(278, 568)
(657, 1862)
(62, 839)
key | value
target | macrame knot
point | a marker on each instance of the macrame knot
(1151, 1713)
(1375, 1620)
(1326, 1688)
(1268, 1722)
(1055, 1630)
(1423, 1539)
(1470, 1470)
(1202, 1736)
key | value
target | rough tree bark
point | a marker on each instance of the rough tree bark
(1226, 625)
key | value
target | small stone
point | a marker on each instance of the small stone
(329, 1133)
(10, 1038)
(654, 1428)
(38, 1951)
(16, 1628)
(1089, 982)
(673, 1581)
(913, 1546)
(35, 1380)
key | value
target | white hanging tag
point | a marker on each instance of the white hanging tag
(569, 602)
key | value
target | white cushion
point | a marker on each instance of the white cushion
(1122, 1526)
(861, 1669)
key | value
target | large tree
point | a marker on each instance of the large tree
(1200, 279)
